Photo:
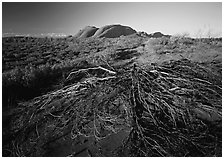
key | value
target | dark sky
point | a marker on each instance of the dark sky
(68, 18)
(37, 17)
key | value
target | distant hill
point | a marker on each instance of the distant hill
(158, 35)
(153, 35)
(113, 31)
(108, 31)
(86, 32)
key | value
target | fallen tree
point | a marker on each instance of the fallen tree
(172, 109)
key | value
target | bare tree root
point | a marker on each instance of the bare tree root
(165, 118)
(167, 112)
(89, 69)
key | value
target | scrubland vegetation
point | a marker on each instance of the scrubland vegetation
(154, 97)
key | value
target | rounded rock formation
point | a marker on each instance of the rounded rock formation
(88, 31)
(113, 31)
(108, 31)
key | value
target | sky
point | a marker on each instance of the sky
(197, 19)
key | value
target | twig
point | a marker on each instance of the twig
(95, 68)
(54, 115)
(107, 63)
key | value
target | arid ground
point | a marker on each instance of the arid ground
(128, 96)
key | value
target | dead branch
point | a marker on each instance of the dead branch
(86, 70)
(160, 110)
(106, 63)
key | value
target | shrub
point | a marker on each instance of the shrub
(26, 83)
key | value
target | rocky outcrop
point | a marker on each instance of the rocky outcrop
(88, 31)
(158, 35)
(108, 31)
(114, 31)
